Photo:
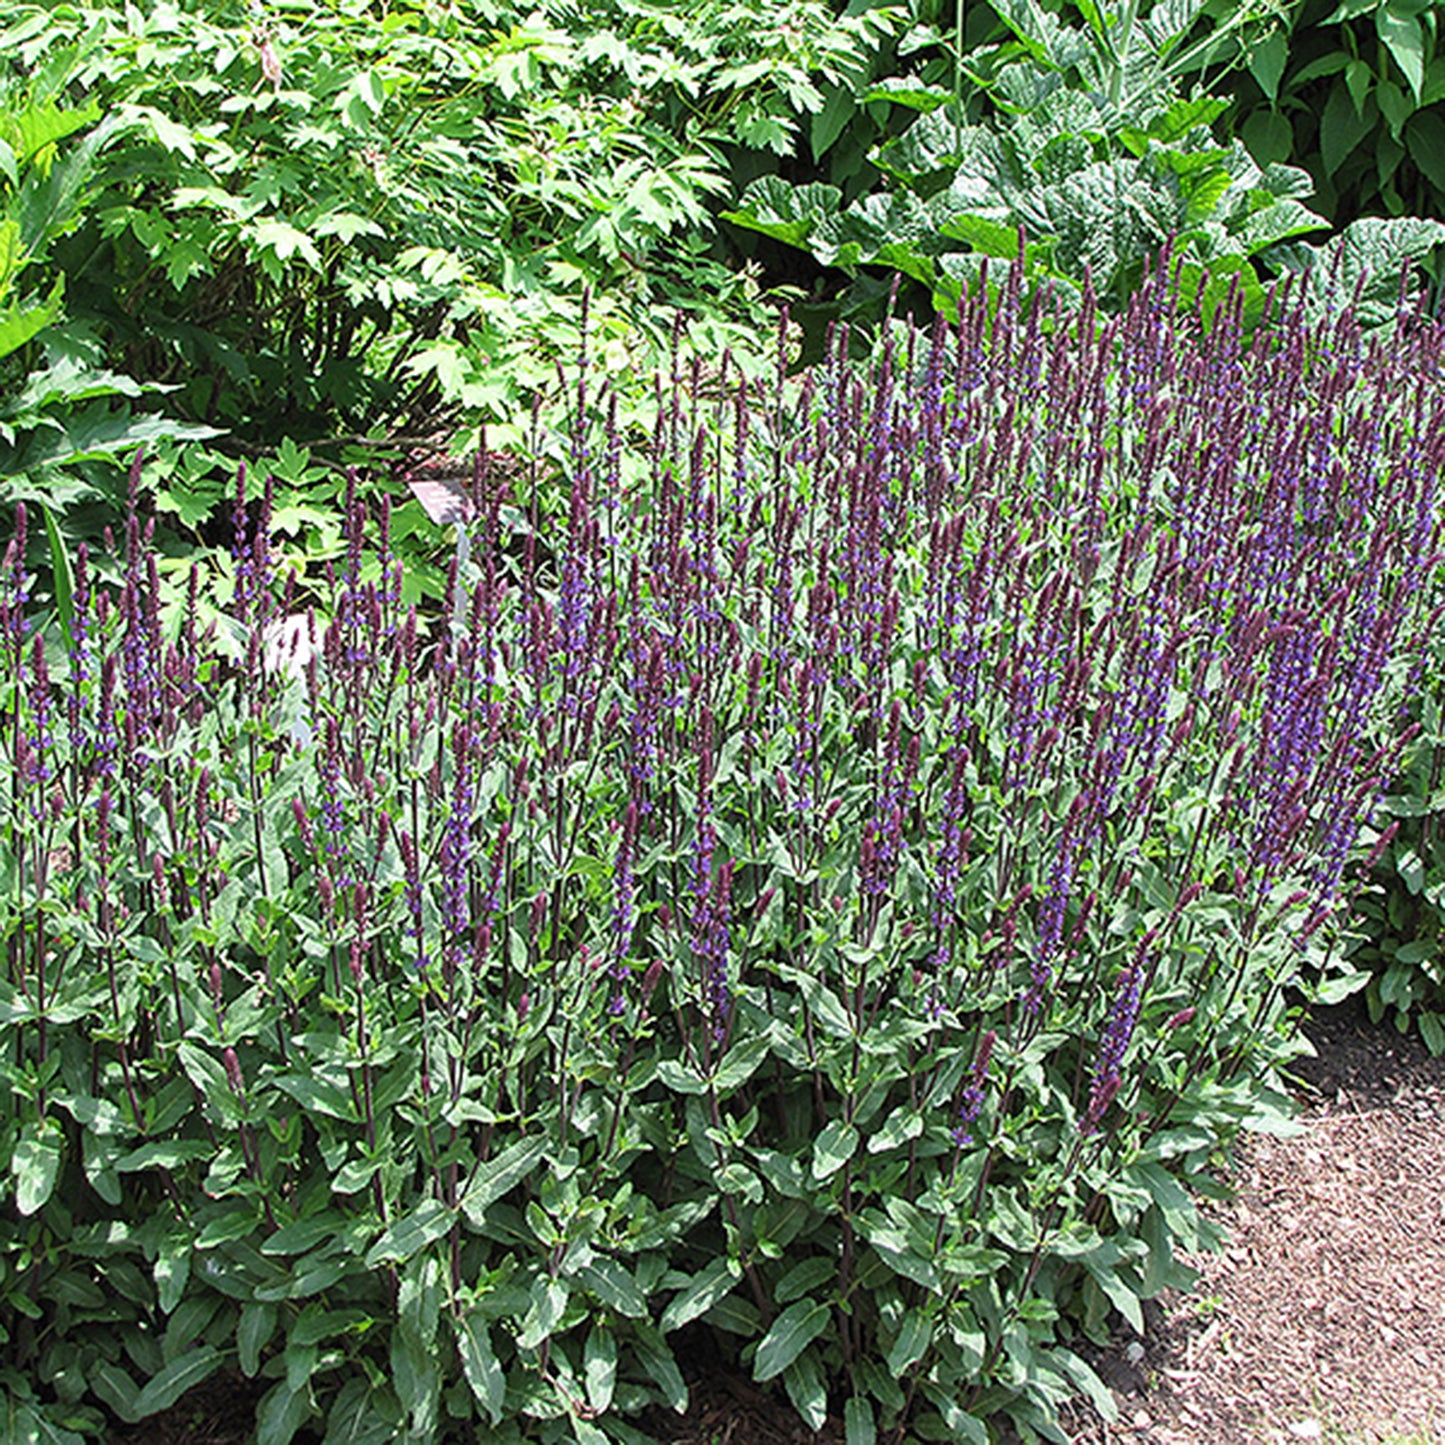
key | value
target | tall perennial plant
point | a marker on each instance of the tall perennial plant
(828, 899)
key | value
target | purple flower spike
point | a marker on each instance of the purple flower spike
(1112, 1048)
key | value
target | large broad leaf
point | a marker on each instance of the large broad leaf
(787, 213)
(21, 321)
(1362, 266)
(43, 123)
(989, 181)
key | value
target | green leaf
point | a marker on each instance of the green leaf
(497, 1176)
(808, 1390)
(787, 213)
(830, 122)
(1425, 140)
(915, 1334)
(1404, 38)
(599, 1367)
(792, 1332)
(20, 322)
(479, 1364)
(253, 1333)
(115, 1387)
(1341, 130)
(35, 1164)
(63, 576)
(283, 241)
(411, 1234)
(182, 1374)
(549, 1304)
(614, 1285)
(656, 1358)
(353, 1418)
(740, 1064)
(1432, 1031)
(858, 1425)
(1266, 63)
(281, 1413)
(172, 1270)
(704, 1291)
(1121, 1296)
(320, 1095)
(804, 1278)
(833, 1148)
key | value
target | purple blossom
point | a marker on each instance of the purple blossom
(1112, 1047)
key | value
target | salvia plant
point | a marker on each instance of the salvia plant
(823, 906)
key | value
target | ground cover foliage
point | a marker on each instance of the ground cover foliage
(832, 892)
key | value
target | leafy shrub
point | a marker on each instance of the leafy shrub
(1400, 944)
(371, 237)
(57, 401)
(833, 892)
(1353, 92)
(1091, 147)
(325, 224)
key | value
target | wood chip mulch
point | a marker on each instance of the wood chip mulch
(1324, 1317)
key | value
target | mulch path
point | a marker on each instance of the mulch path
(1322, 1319)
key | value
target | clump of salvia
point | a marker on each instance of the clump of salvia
(822, 888)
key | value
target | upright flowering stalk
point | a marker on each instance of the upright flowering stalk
(971, 1095)
(456, 848)
(411, 872)
(711, 895)
(624, 906)
(1112, 1047)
